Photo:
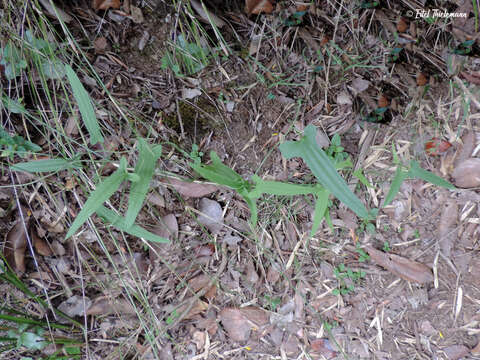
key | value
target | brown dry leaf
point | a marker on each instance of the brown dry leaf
(191, 189)
(323, 347)
(466, 150)
(447, 221)
(400, 266)
(402, 25)
(199, 307)
(55, 12)
(240, 322)
(105, 4)
(15, 246)
(467, 173)
(167, 228)
(206, 15)
(104, 305)
(456, 352)
(474, 77)
(201, 281)
(40, 245)
(382, 101)
(199, 338)
(258, 6)
(421, 79)
(100, 45)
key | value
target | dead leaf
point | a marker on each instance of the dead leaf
(75, 305)
(466, 149)
(323, 347)
(40, 245)
(105, 4)
(197, 308)
(201, 281)
(258, 6)
(104, 305)
(436, 146)
(137, 15)
(189, 94)
(474, 77)
(206, 15)
(240, 322)
(400, 266)
(167, 228)
(15, 246)
(476, 349)
(211, 215)
(343, 98)
(456, 352)
(467, 173)
(382, 101)
(100, 45)
(402, 25)
(421, 79)
(360, 85)
(191, 189)
(55, 12)
(199, 338)
(447, 221)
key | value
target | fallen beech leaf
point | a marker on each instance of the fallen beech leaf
(467, 173)
(105, 4)
(15, 246)
(240, 322)
(421, 79)
(105, 306)
(258, 6)
(191, 189)
(400, 266)
(436, 146)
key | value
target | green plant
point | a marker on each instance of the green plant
(272, 302)
(187, 58)
(413, 170)
(341, 272)
(386, 246)
(16, 145)
(363, 256)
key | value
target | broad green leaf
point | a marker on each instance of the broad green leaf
(120, 223)
(45, 165)
(417, 172)
(400, 175)
(85, 106)
(31, 341)
(323, 169)
(320, 209)
(279, 188)
(14, 106)
(252, 204)
(103, 191)
(147, 160)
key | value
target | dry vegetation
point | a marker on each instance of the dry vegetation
(383, 83)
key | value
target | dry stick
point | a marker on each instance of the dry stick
(179, 116)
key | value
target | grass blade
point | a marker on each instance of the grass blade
(417, 172)
(400, 176)
(147, 159)
(85, 106)
(103, 191)
(120, 223)
(323, 169)
(45, 165)
(279, 188)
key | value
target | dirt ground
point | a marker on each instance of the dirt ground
(269, 293)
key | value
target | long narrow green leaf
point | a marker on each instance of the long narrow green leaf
(103, 191)
(147, 159)
(400, 176)
(320, 209)
(417, 172)
(120, 223)
(323, 169)
(279, 188)
(45, 165)
(85, 106)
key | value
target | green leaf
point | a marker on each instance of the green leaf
(359, 175)
(31, 341)
(147, 160)
(323, 169)
(280, 188)
(120, 223)
(103, 191)
(417, 172)
(14, 106)
(320, 210)
(85, 106)
(45, 165)
(400, 176)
